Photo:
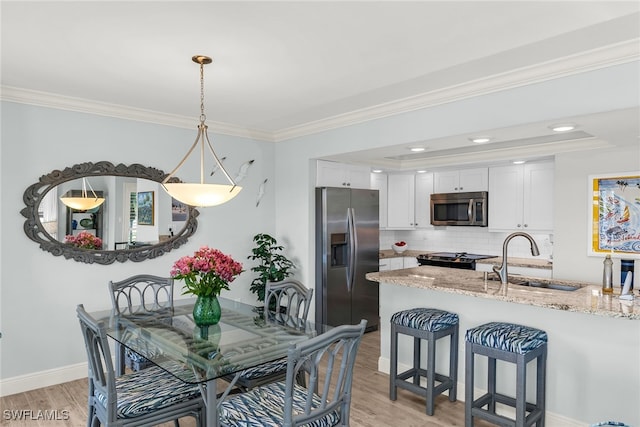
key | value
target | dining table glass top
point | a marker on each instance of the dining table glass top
(244, 338)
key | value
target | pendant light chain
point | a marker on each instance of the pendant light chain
(203, 117)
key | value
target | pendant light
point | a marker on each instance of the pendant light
(84, 201)
(201, 194)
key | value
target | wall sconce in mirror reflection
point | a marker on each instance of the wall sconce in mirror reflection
(135, 221)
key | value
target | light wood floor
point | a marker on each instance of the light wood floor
(370, 406)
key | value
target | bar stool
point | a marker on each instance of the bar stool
(424, 324)
(515, 344)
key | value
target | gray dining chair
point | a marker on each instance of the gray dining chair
(139, 295)
(286, 302)
(327, 361)
(145, 398)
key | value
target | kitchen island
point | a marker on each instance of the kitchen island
(593, 371)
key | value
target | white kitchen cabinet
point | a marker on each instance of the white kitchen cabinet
(401, 201)
(409, 262)
(408, 201)
(333, 174)
(379, 182)
(521, 197)
(397, 263)
(463, 180)
(424, 189)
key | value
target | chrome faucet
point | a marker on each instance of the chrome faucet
(502, 270)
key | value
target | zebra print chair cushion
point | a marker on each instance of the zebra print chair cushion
(428, 319)
(265, 369)
(507, 336)
(264, 406)
(147, 390)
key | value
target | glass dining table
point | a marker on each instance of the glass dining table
(244, 338)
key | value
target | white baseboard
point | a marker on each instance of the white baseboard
(41, 379)
(551, 419)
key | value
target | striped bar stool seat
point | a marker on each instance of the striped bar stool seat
(424, 324)
(511, 343)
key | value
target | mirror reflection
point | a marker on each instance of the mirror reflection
(138, 219)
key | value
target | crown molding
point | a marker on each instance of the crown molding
(60, 102)
(608, 56)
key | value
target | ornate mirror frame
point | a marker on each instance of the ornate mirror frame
(35, 231)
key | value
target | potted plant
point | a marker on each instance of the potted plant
(273, 266)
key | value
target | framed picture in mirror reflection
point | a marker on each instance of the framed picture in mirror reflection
(145, 208)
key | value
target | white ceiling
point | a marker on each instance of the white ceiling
(283, 69)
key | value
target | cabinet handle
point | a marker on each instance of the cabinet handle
(526, 225)
(461, 188)
(519, 225)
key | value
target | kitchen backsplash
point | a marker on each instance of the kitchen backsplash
(466, 239)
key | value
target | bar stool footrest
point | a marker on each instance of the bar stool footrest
(401, 382)
(477, 410)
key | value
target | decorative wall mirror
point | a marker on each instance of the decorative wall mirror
(137, 221)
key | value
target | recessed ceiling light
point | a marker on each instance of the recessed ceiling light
(480, 139)
(421, 171)
(377, 171)
(563, 127)
(417, 149)
(518, 162)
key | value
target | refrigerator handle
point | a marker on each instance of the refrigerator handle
(353, 247)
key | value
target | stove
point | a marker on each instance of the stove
(461, 260)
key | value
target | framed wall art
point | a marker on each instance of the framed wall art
(615, 214)
(145, 208)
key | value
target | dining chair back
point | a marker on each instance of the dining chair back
(288, 298)
(138, 295)
(287, 302)
(144, 398)
(327, 361)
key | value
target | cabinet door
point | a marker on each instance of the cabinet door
(396, 263)
(401, 206)
(505, 198)
(330, 174)
(409, 262)
(358, 176)
(424, 188)
(538, 196)
(473, 179)
(446, 182)
(379, 182)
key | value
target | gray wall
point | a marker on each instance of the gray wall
(39, 292)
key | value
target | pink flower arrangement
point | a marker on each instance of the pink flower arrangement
(84, 240)
(207, 272)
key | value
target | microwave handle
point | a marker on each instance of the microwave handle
(471, 211)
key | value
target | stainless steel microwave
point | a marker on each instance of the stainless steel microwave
(460, 208)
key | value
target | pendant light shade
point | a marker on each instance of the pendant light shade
(201, 194)
(85, 201)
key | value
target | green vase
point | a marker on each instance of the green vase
(206, 311)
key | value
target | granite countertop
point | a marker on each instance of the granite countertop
(497, 260)
(542, 263)
(588, 299)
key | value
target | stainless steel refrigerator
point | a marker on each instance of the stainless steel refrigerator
(347, 247)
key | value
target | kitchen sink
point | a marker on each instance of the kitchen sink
(538, 284)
